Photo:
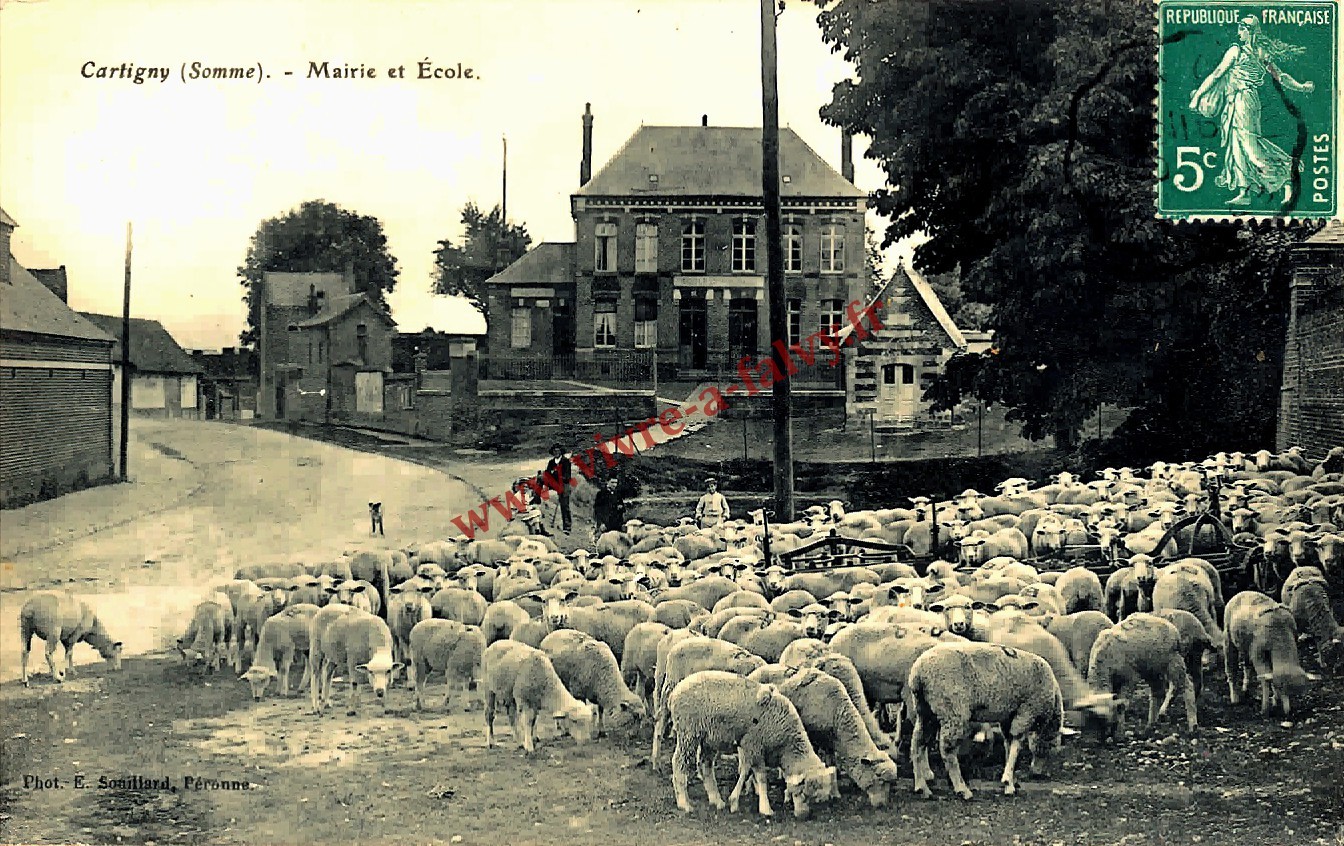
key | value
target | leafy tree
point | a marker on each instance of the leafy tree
(1018, 135)
(317, 237)
(487, 246)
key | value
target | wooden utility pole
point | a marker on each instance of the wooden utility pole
(126, 359)
(503, 210)
(774, 262)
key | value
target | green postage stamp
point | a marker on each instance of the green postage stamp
(1248, 109)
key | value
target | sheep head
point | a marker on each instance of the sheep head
(807, 788)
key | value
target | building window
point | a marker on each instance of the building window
(646, 322)
(793, 248)
(832, 315)
(604, 257)
(320, 352)
(520, 328)
(795, 321)
(832, 249)
(742, 325)
(604, 323)
(310, 349)
(744, 246)
(646, 248)
(907, 374)
(693, 246)
(362, 339)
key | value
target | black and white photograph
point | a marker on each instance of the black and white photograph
(604, 422)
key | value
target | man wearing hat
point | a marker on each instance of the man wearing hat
(559, 469)
(608, 509)
(712, 509)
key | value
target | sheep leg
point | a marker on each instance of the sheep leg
(681, 765)
(352, 701)
(1262, 672)
(51, 657)
(27, 636)
(1231, 666)
(763, 793)
(601, 729)
(709, 778)
(1010, 765)
(743, 773)
(949, 738)
(919, 757)
(286, 663)
(489, 718)
(659, 726)
(1178, 679)
(1160, 694)
(527, 721)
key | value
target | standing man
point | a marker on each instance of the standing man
(608, 510)
(712, 509)
(560, 468)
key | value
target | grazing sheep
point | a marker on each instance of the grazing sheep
(684, 658)
(678, 614)
(317, 627)
(590, 672)
(465, 606)
(448, 647)
(1080, 590)
(1309, 601)
(1077, 632)
(834, 725)
(283, 636)
(1142, 647)
(356, 641)
(714, 711)
(1024, 633)
(207, 636)
(1189, 589)
(883, 655)
(501, 620)
(842, 670)
(59, 617)
(256, 610)
(956, 686)
(1194, 643)
(523, 679)
(1262, 640)
(639, 659)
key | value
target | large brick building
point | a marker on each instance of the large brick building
(55, 389)
(668, 258)
(1311, 407)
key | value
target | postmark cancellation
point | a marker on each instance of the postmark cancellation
(1248, 109)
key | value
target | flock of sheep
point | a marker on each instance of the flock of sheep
(812, 675)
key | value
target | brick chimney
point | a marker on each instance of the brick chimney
(847, 155)
(7, 225)
(586, 164)
(704, 120)
(348, 278)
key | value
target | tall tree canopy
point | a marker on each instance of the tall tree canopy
(487, 245)
(317, 237)
(1018, 134)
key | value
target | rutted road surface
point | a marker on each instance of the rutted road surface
(259, 496)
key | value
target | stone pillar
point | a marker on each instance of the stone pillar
(464, 380)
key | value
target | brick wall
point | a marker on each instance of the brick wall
(910, 335)
(1311, 408)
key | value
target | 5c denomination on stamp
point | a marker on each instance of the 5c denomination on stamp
(1248, 109)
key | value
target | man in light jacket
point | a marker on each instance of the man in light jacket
(712, 509)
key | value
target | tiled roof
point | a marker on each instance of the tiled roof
(935, 305)
(54, 278)
(1333, 233)
(26, 305)
(334, 307)
(548, 263)
(722, 161)
(6, 220)
(153, 350)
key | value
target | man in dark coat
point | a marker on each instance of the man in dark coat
(608, 509)
(559, 469)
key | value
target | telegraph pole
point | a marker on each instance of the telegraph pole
(503, 210)
(774, 262)
(126, 359)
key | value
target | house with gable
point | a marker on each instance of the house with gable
(165, 379)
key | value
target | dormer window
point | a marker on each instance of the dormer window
(653, 179)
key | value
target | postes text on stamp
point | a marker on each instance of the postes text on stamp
(1248, 109)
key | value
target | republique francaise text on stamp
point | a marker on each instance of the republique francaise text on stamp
(1248, 109)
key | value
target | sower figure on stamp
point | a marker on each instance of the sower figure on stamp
(608, 509)
(559, 469)
(712, 509)
(1251, 162)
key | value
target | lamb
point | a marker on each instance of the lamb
(685, 658)
(523, 678)
(1080, 590)
(956, 686)
(255, 612)
(1194, 644)
(678, 614)
(771, 640)
(842, 670)
(639, 659)
(317, 627)
(1309, 601)
(448, 647)
(283, 636)
(356, 641)
(207, 635)
(715, 711)
(405, 610)
(1022, 632)
(59, 617)
(1128, 589)
(501, 619)
(1142, 647)
(883, 655)
(465, 606)
(705, 591)
(1189, 589)
(1077, 632)
(590, 672)
(609, 623)
(834, 725)
(1262, 638)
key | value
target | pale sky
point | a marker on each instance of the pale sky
(197, 165)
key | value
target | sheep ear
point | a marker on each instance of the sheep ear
(1313, 677)
(1065, 731)
(766, 692)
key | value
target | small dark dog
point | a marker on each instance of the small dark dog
(375, 518)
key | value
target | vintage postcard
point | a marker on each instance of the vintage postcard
(716, 421)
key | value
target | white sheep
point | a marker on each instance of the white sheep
(835, 726)
(207, 636)
(842, 670)
(59, 617)
(405, 609)
(1262, 640)
(1195, 644)
(589, 671)
(448, 647)
(714, 711)
(639, 659)
(1142, 647)
(1077, 632)
(283, 637)
(955, 686)
(523, 679)
(1080, 590)
(356, 641)
(501, 619)
(1309, 600)
(678, 614)
(465, 606)
(1188, 588)
(684, 658)
(883, 655)
(1025, 633)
